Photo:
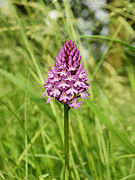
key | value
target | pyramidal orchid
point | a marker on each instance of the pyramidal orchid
(67, 83)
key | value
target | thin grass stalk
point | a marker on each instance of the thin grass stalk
(26, 143)
(66, 140)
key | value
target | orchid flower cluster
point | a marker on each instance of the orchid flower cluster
(66, 81)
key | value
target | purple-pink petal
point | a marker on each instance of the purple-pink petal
(44, 94)
(48, 100)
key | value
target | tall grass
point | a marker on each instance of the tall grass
(102, 132)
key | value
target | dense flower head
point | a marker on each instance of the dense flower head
(66, 81)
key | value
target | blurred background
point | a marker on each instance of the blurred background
(102, 132)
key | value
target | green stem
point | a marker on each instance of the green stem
(66, 141)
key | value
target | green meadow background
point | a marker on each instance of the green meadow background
(102, 132)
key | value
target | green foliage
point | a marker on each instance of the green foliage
(102, 132)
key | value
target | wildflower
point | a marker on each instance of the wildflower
(66, 81)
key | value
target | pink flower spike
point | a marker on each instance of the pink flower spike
(66, 79)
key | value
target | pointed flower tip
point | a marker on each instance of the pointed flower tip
(48, 100)
(66, 80)
(44, 94)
